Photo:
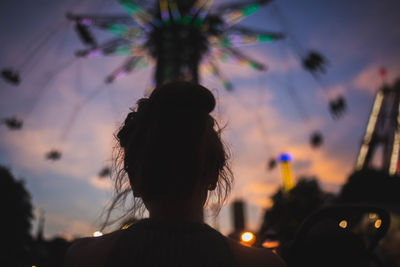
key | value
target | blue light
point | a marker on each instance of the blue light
(287, 157)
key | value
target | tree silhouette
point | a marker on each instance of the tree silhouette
(289, 209)
(16, 210)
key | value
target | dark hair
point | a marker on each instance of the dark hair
(169, 144)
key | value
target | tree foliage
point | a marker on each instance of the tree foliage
(16, 210)
(290, 209)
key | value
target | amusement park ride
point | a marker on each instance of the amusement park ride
(180, 36)
(383, 130)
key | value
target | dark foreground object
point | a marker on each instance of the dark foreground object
(340, 235)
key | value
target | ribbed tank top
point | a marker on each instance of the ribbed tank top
(151, 243)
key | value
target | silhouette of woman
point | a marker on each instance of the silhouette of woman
(171, 158)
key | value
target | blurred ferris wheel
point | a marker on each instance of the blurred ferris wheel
(178, 37)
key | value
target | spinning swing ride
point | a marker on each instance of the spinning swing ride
(180, 36)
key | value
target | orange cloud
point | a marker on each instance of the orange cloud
(368, 79)
(101, 183)
(70, 227)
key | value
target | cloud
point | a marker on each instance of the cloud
(368, 80)
(258, 192)
(67, 227)
(257, 132)
(101, 183)
(258, 125)
(28, 147)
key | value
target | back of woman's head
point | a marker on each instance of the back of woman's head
(170, 145)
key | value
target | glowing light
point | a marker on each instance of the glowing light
(241, 39)
(370, 129)
(176, 15)
(118, 30)
(372, 216)
(250, 9)
(361, 156)
(235, 55)
(247, 236)
(255, 65)
(285, 157)
(212, 67)
(265, 38)
(232, 17)
(126, 226)
(343, 224)
(378, 223)
(139, 15)
(164, 11)
(394, 158)
(123, 50)
(374, 116)
(136, 51)
(247, 239)
(202, 13)
(193, 11)
(286, 176)
(130, 7)
(271, 244)
(235, 16)
(97, 234)
(395, 153)
(120, 74)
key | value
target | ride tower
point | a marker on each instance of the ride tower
(383, 131)
(287, 179)
(178, 44)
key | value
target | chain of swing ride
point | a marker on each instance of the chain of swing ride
(180, 36)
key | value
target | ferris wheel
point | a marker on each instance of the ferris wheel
(179, 38)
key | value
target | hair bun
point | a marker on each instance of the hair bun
(182, 94)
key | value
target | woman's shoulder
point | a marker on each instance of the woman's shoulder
(90, 251)
(93, 251)
(254, 257)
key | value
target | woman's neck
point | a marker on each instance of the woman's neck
(176, 211)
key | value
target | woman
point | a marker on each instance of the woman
(173, 160)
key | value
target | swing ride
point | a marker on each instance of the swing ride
(180, 37)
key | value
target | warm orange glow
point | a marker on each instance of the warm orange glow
(343, 224)
(286, 176)
(247, 239)
(378, 223)
(97, 234)
(126, 226)
(271, 244)
(247, 236)
(372, 215)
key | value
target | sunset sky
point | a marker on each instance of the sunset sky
(262, 118)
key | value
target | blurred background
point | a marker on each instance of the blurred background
(289, 77)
